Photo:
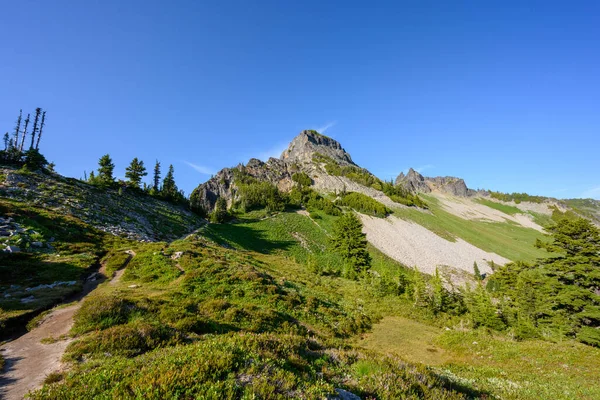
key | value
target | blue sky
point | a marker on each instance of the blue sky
(504, 94)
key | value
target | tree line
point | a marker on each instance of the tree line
(21, 147)
(135, 171)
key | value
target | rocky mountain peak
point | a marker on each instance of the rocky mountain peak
(413, 182)
(417, 183)
(309, 142)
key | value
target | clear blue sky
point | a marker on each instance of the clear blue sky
(504, 94)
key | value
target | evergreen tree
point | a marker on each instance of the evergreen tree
(439, 300)
(135, 172)
(156, 186)
(350, 242)
(24, 133)
(37, 144)
(169, 188)
(105, 172)
(6, 140)
(51, 167)
(483, 311)
(559, 294)
(36, 120)
(476, 272)
(220, 214)
(34, 160)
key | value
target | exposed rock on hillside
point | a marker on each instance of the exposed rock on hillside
(129, 213)
(204, 197)
(307, 143)
(298, 157)
(450, 185)
(414, 182)
(417, 183)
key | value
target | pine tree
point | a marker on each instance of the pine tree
(350, 242)
(6, 140)
(18, 127)
(135, 172)
(156, 186)
(169, 189)
(439, 298)
(220, 214)
(24, 133)
(105, 172)
(476, 272)
(37, 144)
(36, 120)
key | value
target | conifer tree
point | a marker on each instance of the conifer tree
(105, 172)
(350, 242)
(156, 186)
(135, 172)
(476, 272)
(37, 144)
(6, 140)
(220, 213)
(169, 188)
(36, 120)
(24, 133)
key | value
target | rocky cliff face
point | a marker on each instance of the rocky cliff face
(417, 183)
(276, 171)
(297, 157)
(450, 185)
(413, 181)
(307, 143)
(300, 156)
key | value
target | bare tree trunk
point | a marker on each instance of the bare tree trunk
(24, 134)
(37, 145)
(18, 128)
(36, 119)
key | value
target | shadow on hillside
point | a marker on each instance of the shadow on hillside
(245, 237)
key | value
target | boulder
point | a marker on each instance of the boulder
(12, 249)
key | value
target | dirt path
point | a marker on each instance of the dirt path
(121, 270)
(28, 361)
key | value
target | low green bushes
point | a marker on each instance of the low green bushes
(363, 204)
(243, 366)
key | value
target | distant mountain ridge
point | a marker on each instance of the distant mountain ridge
(310, 152)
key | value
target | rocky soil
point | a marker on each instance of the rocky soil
(468, 209)
(122, 212)
(413, 245)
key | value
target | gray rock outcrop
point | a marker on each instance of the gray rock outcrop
(413, 181)
(307, 143)
(298, 157)
(450, 185)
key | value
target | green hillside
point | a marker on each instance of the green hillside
(245, 298)
(507, 239)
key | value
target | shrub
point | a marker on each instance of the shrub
(103, 312)
(364, 204)
(257, 195)
(125, 340)
(302, 179)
